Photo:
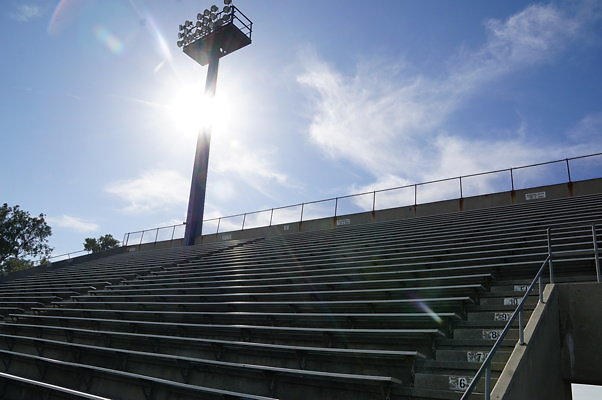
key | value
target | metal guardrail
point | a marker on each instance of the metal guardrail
(461, 187)
(518, 312)
(60, 257)
(172, 236)
(244, 23)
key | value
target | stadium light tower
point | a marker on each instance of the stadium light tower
(214, 34)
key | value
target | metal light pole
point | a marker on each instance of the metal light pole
(214, 34)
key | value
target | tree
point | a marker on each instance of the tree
(21, 238)
(15, 264)
(103, 243)
(91, 244)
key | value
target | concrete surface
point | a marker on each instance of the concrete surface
(581, 330)
(534, 370)
(563, 340)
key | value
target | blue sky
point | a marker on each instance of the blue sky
(99, 107)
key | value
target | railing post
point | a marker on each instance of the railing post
(512, 179)
(568, 169)
(141, 237)
(461, 194)
(302, 204)
(156, 235)
(123, 241)
(173, 232)
(218, 222)
(521, 327)
(540, 280)
(488, 382)
(244, 218)
(128, 239)
(596, 254)
(550, 263)
(374, 201)
(415, 195)
(336, 205)
(271, 216)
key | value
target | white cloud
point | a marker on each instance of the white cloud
(394, 128)
(588, 128)
(152, 190)
(73, 223)
(168, 230)
(528, 37)
(402, 196)
(170, 222)
(254, 168)
(26, 13)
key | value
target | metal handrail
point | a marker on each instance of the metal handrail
(518, 312)
(126, 236)
(244, 215)
(248, 25)
(68, 255)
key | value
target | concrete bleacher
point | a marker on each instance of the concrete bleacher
(403, 309)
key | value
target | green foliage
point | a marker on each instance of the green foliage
(15, 264)
(91, 244)
(21, 237)
(103, 243)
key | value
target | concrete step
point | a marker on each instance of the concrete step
(473, 344)
(455, 367)
(493, 315)
(508, 300)
(484, 324)
(454, 382)
(475, 356)
(508, 293)
(516, 287)
(414, 393)
(558, 278)
(491, 334)
(496, 308)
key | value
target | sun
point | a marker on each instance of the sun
(191, 110)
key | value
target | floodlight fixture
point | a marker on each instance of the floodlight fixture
(214, 34)
(214, 25)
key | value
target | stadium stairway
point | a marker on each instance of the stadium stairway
(395, 310)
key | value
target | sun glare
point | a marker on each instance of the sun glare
(191, 110)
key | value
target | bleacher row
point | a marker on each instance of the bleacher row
(396, 310)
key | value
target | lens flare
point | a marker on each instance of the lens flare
(64, 12)
(113, 43)
(422, 306)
